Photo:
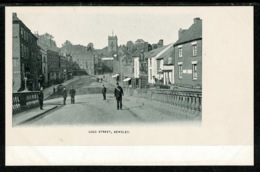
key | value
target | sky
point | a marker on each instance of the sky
(82, 25)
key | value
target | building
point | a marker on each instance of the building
(165, 68)
(54, 72)
(154, 65)
(44, 77)
(188, 56)
(63, 65)
(46, 42)
(26, 57)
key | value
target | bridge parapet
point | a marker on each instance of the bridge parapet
(25, 100)
(188, 103)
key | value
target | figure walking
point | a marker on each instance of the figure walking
(104, 91)
(64, 94)
(118, 94)
(40, 97)
(72, 95)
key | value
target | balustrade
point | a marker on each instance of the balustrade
(184, 103)
(25, 100)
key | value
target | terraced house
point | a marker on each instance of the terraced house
(26, 57)
(188, 56)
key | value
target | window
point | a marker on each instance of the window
(180, 71)
(194, 50)
(169, 60)
(22, 32)
(180, 52)
(194, 71)
(22, 51)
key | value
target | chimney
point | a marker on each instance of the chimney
(196, 20)
(181, 32)
(160, 43)
(15, 15)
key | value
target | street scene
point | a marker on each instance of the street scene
(124, 77)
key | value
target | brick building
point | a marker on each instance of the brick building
(53, 65)
(26, 57)
(188, 56)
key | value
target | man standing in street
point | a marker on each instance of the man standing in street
(40, 97)
(64, 94)
(104, 91)
(72, 95)
(118, 94)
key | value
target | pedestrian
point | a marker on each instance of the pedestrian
(40, 97)
(72, 95)
(64, 94)
(118, 94)
(54, 89)
(104, 91)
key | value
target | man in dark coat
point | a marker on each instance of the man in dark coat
(118, 94)
(104, 91)
(40, 97)
(64, 94)
(72, 95)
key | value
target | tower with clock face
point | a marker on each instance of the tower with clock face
(112, 44)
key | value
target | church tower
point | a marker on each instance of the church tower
(112, 44)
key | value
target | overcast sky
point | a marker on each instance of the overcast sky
(82, 25)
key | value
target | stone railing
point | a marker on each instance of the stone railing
(24, 100)
(188, 103)
(180, 103)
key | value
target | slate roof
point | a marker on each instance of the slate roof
(156, 51)
(161, 56)
(193, 33)
(168, 54)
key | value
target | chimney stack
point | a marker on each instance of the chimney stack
(196, 20)
(181, 31)
(160, 43)
(14, 15)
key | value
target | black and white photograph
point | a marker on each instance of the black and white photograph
(130, 76)
(106, 68)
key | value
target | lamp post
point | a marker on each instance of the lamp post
(25, 82)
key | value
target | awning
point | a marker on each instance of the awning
(127, 79)
(115, 75)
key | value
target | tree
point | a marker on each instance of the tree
(90, 46)
(129, 46)
(139, 43)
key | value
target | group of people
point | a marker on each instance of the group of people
(118, 94)
(64, 95)
(72, 95)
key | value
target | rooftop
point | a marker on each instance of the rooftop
(193, 33)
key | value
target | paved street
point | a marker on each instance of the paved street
(90, 108)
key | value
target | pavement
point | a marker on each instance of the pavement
(31, 114)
